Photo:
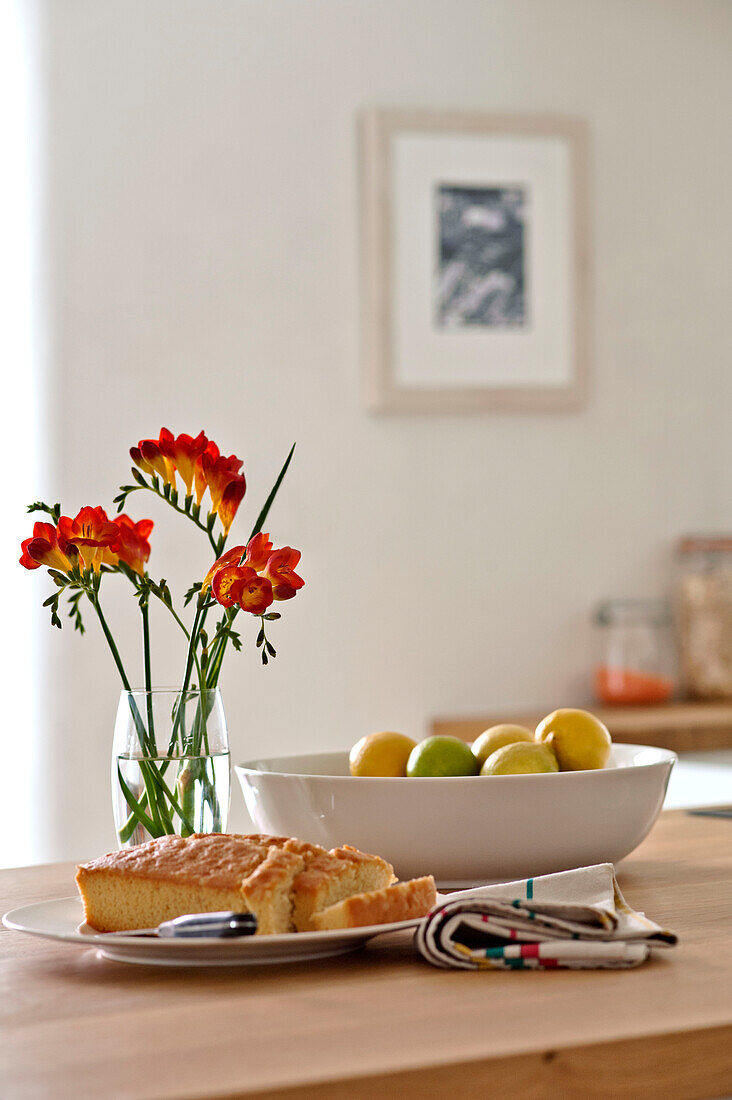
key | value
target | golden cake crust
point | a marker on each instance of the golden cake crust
(217, 860)
(279, 866)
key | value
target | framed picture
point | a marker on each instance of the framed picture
(476, 270)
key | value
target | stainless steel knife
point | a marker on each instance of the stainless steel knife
(219, 926)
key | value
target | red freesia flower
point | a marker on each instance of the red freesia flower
(232, 557)
(47, 547)
(228, 582)
(255, 595)
(91, 532)
(219, 472)
(183, 451)
(252, 576)
(258, 550)
(280, 570)
(131, 545)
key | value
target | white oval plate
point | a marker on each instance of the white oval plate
(63, 919)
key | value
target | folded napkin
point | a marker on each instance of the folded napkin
(577, 919)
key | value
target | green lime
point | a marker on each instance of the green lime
(439, 756)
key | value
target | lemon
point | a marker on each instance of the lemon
(440, 756)
(580, 740)
(520, 758)
(381, 754)
(498, 736)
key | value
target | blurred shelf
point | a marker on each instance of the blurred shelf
(681, 727)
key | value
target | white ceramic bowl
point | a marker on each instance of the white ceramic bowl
(464, 829)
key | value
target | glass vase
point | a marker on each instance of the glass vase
(170, 765)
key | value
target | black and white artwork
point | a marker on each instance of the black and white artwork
(481, 257)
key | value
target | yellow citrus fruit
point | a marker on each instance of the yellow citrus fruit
(381, 754)
(520, 758)
(580, 741)
(498, 736)
(441, 756)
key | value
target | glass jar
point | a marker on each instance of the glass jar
(636, 665)
(704, 613)
(170, 765)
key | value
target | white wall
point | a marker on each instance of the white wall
(201, 213)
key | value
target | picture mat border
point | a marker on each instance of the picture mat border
(537, 354)
(378, 128)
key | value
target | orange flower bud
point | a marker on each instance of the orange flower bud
(211, 452)
(136, 456)
(153, 456)
(231, 498)
(182, 452)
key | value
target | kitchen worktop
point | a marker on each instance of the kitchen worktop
(381, 1021)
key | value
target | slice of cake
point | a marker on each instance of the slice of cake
(165, 878)
(333, 876)
(267, 892)
(402, 901)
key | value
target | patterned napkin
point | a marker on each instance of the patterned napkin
(577, 919)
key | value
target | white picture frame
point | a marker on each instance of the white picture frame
(476, 268)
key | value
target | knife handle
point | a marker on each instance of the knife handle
(209, 925)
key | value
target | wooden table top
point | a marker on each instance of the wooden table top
(381, 1022)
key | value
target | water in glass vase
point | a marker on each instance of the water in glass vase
(182, 787)
(195, 792)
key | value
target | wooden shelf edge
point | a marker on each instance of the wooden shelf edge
(680, 727)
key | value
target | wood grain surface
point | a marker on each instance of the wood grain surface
(681, 727)
(380, 1022)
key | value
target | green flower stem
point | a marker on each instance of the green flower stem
(153, 781)
(218, 657)
(148, 675)
(160, 782)
(154, 487)
(137, 717)
(141, 587)
(133, 820)
(198, 622)
(138, 814)
(173, 612)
